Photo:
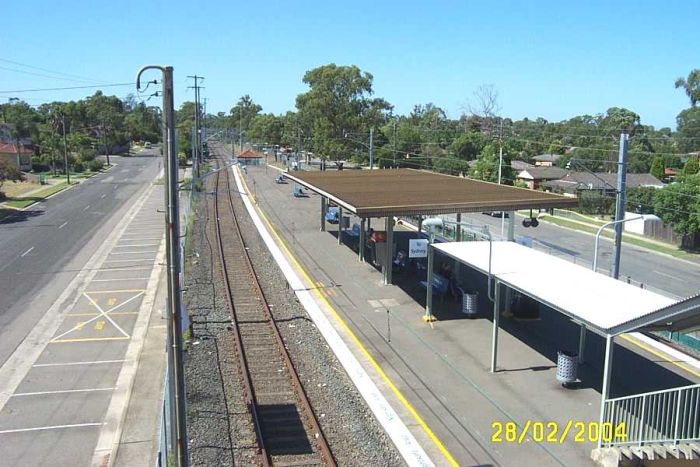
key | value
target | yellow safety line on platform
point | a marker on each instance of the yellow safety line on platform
(657, 353)
(357, 342)
(87, 339)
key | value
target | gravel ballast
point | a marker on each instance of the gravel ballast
(217, 416)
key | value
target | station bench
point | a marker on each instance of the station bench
(440, 285)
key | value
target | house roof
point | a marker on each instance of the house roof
(606, 181)
(520, 165)
(547, 157)
(249, 155)
(381, 193)
(10, 148)
(542, 173)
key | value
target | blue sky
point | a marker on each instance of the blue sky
(546, 59)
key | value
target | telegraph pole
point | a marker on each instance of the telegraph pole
(394, 143)
(65, 149)
(197, 151)
(240, 130)
(104, 141)
(176, 377)
(371, 148)
(620, 202)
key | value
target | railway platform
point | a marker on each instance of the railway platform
(436, 375)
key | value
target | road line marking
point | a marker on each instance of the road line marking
(54, 427)
(63, 225)
(124, 279)
(115, 291)
(96, 362)
(64, 391)
(132, 252)
(26, 252)
(676, 278)
(116, 313)
(122, 269)
(657, 353)
(129, 246)
(146, 260)
(87, 339)
(86, 207)
(103, 196)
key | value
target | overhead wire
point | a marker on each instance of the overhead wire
(59, 73)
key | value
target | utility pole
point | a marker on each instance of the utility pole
(104, 141)
(65, 149)
(371, 148)
(176, 376)
(240, 130)
(394, 143)
(500, 170)
(620, 202)
(197, 148)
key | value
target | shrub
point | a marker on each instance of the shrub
(96, 165)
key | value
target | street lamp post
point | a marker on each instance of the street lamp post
(600, 230)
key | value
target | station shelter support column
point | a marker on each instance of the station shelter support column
(607, 373)
(458, 238)
(340, 225)
(323, 213)
(511, 238)
(496, 317)
(361, 242)
(429, 287)
(420, 224)
(581, 343)
(388, 259)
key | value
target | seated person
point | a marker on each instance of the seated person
(453, 287)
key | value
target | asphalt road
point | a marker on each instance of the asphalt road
(662, 274)
(43, 248)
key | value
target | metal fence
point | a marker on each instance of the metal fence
(671, 416)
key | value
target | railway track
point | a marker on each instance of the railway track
(286, 428)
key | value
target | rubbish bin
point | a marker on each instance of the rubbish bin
(469, 304)
(567, 367)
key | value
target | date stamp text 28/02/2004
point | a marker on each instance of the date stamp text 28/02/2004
(553, 432)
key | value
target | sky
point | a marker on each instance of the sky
(549, 59)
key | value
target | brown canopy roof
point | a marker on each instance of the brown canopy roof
(380, 193)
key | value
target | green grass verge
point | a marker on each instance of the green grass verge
(669, 250)
(20, 203)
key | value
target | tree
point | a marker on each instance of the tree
(679, 205)
(338, 104)
(266, 129)
(691, 85)
(640, 199)
(688, 133)
(658, 168)
(486, 167)
(8, 172)
(243, 113)
(691, 167)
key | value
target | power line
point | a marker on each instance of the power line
(78, 77)
(109, 85)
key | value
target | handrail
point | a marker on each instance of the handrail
(668, 416)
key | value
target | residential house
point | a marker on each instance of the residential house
(519, 166)
(535, 176)
(546, 160)
(17, 155)
(606, 183)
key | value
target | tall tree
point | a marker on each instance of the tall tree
(338, 104)
(243, 113)
(679, 204)
(691, 85)
(658, 168)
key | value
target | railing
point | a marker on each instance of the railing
(670, 416)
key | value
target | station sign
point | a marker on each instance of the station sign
(418, 248)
